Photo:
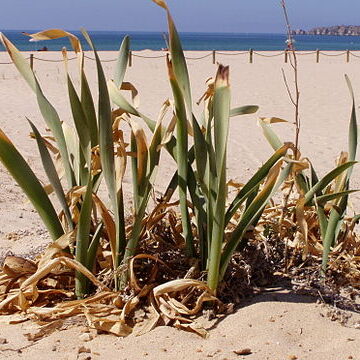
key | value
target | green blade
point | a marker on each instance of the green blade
(26, 179)
(47, 110)
(80, 121)
(134, 174)
(257, 206)
(52, 174)
(270, 135)
(142, 191)
(323, 220)
(92, 249)
(83, 241)
(122, 61)
(221, 132)
(200, 146)
(321, 184)
(181, 158)
(352, 127)
(88, 106)
(329, 237)
(107, 151)
(118, 99)
(323, 199)
(254, 182)
(244, 110)
(179, 64)
(73, 146)
(302, 182)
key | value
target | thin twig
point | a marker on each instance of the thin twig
(294, 98)
(288, 87)
(294, 64)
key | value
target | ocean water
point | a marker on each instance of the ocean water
(110, 40)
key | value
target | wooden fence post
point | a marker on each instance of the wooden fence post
(32, 61)
(317, 55)
(347, 56)
(213, 56)
(130, 58)
(286, 55)
(251, 52)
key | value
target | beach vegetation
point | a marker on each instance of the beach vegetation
(173, 257)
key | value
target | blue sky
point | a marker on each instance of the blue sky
(190, 15)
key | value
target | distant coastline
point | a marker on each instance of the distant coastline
(337, 30)
(110, 41)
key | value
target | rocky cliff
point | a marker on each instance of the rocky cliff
(347, 30)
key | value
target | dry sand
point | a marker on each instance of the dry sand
(280, 326)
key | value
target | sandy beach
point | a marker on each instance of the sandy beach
(275, 326)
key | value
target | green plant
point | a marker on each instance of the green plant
(94, 136)
(94, 150)
(98, 139)
(206, 183)
(329, 195)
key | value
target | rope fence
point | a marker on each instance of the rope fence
(251, 54)
(264, 55)
(228, 53)
(340, 54)
(306, 53)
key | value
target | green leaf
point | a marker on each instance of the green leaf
(118, 99)
(92, 249)
(80, 121)
(179, 64)
(352, 127)
(323, 220)
(47, 110)
(26, 179)
(270, 135)
(221, 132)
(107, 151)
(329, 236)
(323, 199)
(122, 61)
(321, 184)
(274, 181)
(181, 157)
(52, 174)
(244, 110)
(200, 147)
(254, 182)
(83, 241)
(73, 146)
(302, 182)
(88, 106)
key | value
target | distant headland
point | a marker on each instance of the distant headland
(341, 30)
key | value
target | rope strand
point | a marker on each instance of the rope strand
(262, 54)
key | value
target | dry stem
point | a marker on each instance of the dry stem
(294, 98)
(294, 64)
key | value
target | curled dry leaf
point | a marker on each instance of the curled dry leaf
(134, 93)
(178, 298)
(15, 266)
(161, 3)
(209, 92)
(142, 148)
(132, 276)
(57, 248)
(272, 120)
(303, 225)
(56, 34)
(28, 292)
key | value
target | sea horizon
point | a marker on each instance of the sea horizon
(106, 40)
